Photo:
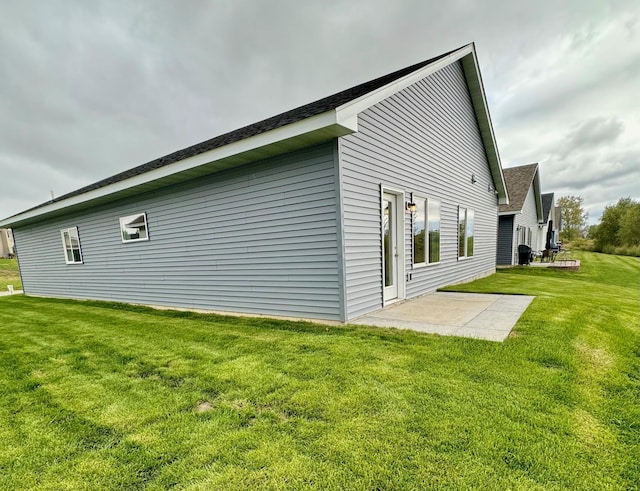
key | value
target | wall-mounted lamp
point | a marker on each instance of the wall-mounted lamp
(411, 206)
(490, 187)
(474, 179)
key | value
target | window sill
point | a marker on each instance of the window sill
(424, 265)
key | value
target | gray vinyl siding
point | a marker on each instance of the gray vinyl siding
(505, 240)
(423, 141)
(528, 218)
(258, 239)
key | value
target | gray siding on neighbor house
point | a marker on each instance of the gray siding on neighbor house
(527, 219)
(261, 238)
(423, 140)
(505, 240)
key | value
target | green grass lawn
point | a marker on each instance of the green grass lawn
(106, 396)
(9, 274)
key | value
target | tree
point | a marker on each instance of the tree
(573, 217)
(629, 231)
(619, 225)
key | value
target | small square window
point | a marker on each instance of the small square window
(133, 228)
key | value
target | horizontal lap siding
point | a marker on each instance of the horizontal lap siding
(257, 239)
(423, 140)
(528, 218)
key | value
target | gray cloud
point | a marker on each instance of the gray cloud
(92, 88)
(590, 134)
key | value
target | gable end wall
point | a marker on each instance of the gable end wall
(528, 218)
(424, 141)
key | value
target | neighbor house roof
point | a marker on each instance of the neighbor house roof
(547, 206)
(303, 126)
(519, 180)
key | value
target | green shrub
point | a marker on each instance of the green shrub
(627, 251)
(581, 244)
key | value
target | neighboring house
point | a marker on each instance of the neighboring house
(519, 220)
(6, 243)
(548, 233)
(381, 192)
(558, 222)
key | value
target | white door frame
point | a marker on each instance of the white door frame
(400, 246)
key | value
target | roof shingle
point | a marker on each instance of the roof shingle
(518, 181)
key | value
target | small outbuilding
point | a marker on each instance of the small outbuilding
(379, 193)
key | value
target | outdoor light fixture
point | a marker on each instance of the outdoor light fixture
(411, 206)
(490, 187)
(473, 179)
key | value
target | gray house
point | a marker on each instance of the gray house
(332, 210)
(519, 221)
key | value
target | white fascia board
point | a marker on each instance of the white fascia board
(505, 213)
(307, 125)
(351, 109)
(483, 116)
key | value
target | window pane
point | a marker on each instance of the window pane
(76, 256)
(66, 239)
(387, 224)
(419, 232)
(462, 227)
(134, 227)
(470, 238)
(434, 231)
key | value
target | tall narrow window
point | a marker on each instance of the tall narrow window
(469, 234)
(466, 239)
(426, 232)
(462, 230)
(71, 244)
(434, 230)
(419, 236)
(134, 227)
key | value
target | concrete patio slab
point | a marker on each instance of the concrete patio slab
(482, 316)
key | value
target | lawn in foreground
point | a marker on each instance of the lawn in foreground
(105, 396)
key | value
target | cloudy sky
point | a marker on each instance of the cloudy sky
(91, 88)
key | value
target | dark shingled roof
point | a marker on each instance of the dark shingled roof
(312, 109)
(518, 181)
(547, 204)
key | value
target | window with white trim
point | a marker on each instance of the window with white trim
(426, 232)
(466, 238)
(419, 235)
(134, 228)
(71, 245)
(433, 215)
